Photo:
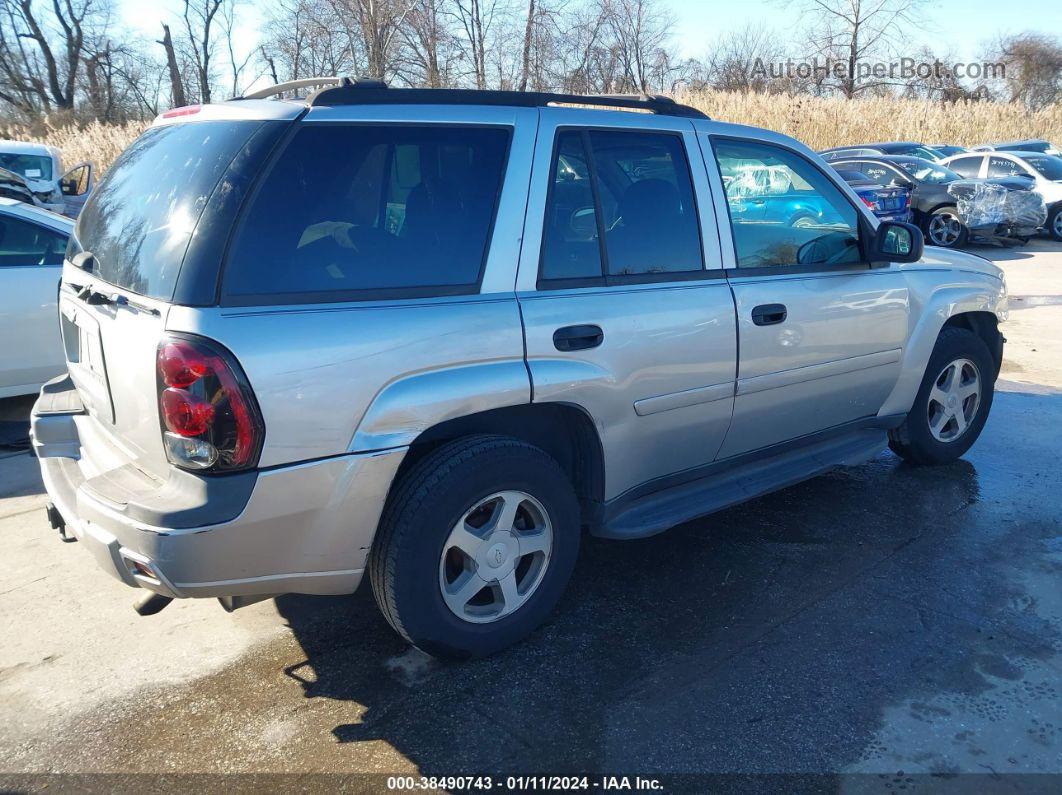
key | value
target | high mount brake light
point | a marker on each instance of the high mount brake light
(209, 417)
(186, 110)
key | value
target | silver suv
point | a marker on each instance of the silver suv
(432, 335)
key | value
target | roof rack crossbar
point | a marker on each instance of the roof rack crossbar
(345, 91)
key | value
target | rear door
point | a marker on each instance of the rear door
(626, 312)
(820, 332)
(31, 257)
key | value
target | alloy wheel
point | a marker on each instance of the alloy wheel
(944, 229)
(495, 557)
(954, 400)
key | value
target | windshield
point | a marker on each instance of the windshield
(929, 172)
(1050, 167)
(138, 222)
(28, 166)
(918, 151)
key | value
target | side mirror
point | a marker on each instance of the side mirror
(896, 242)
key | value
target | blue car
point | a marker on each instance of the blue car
(891, 203)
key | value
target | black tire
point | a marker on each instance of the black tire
(427, 502)
(964, 233)
(1053, 227)
(913, 441)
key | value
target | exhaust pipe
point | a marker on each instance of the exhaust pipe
(151, 603)
(55, 519)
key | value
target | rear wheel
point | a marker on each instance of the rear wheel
(1054, 222)
(953, 401)
(944, 229)
(475, 547)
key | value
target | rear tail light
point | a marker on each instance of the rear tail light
(210, 420)
(871, 204)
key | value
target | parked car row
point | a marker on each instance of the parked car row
(1004, 192)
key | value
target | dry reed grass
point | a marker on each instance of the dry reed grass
(817, 121)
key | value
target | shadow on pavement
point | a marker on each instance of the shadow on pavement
(773, 636)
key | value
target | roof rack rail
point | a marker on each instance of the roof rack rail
(310, 82)
(348, 91)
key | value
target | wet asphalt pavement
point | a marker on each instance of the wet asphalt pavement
(884, 619)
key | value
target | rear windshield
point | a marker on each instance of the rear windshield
(139, 220)
(370, 211)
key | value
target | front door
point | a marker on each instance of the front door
(626, 311)
(820, 332)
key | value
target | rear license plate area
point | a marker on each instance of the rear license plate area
(83, 343)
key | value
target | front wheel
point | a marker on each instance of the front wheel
(953, 401)
(475, 546)
(944, 228)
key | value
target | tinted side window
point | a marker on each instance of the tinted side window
(1002, 167)
(353, 208)
(570, 245)
(783, 210)
(966, 166)
(627, 201)
(647, 206)
(24, 243)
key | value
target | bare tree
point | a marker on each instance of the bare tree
(640, 32)
(475, 19)
(428, 45)
(853, 31)
(39, 69)
(305, 38)
(237, 65)
(744, 59)
(376, 28)
(177, 94)
(199, 19)
(1033, 64)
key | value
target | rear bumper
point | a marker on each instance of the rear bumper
(305, 528)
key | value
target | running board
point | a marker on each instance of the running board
(729, 483)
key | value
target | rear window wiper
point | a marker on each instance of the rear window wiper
(96, 298)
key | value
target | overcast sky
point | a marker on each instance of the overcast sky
(958, 27)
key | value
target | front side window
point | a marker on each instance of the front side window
(23, 243)
(783, 210)
(620, 205)
(967, 167)
(351, 209)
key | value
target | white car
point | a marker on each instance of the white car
(42, 168)
(1044, 170)
(32, 246)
